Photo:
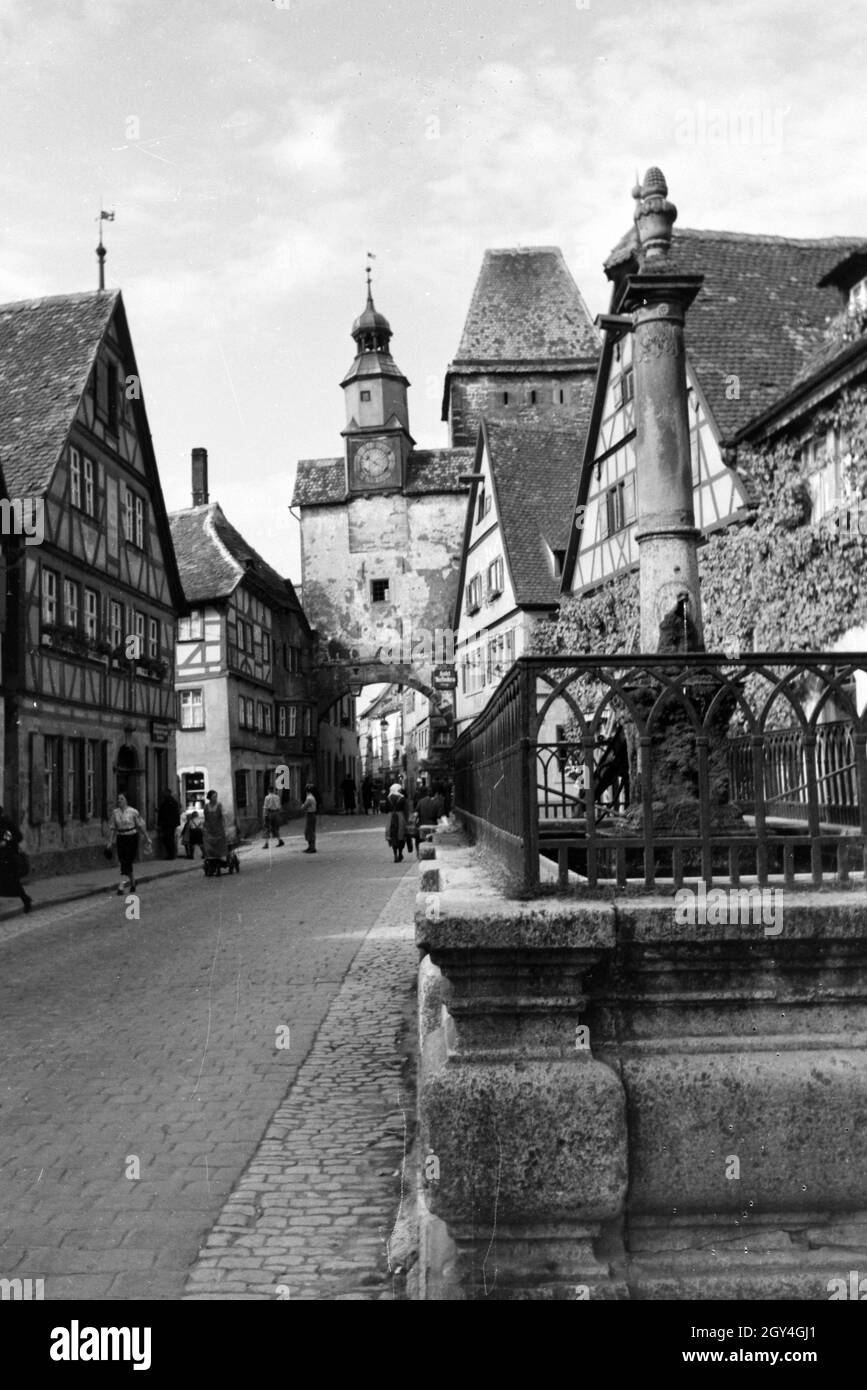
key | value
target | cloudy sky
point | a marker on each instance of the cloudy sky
(255, 150)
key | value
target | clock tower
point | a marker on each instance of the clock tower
(378, 441)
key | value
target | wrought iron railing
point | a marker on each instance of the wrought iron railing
(643, 771)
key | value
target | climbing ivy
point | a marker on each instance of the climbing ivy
(776, 582)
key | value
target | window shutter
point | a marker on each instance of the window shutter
(37, 779)
(63, 752)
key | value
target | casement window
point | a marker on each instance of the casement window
(495, 577)
(91, 762)
(241, 789)
(70, 603)
(153, 638)
(473, 594)
(242, 712)
(134, 518)
(91, 613)
(74, 478)
(823, 462)
(190, 628)
(281, 721)
(192, 709)
(265, 718)
(293, 721)
(138, 627)
(308, 721)
(500, 657)
(49, 596)
(115, 624)
(618, 506)
(623, 389)
(483, 502)
(473, 671)
(379, 590)
(51, 775)
(266, 649)
(89, 494)
(72, 805)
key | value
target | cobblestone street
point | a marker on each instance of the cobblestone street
(144, 1062)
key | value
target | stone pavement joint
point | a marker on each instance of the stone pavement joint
(341, 1149)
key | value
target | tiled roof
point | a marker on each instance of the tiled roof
(320, 482)
(47, 350)
(535, 472)
(526, 306)
(438, 470)
(213, 557)
(759, 317)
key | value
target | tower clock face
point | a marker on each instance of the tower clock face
(373, 461)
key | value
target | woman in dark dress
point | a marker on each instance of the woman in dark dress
(396, 827)
(215, 845)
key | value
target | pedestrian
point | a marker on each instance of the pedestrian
(191, 835)
(215, 845)
(168, 820)
(125, 827)
(310, 807)
(367, 794)
(347, 786)
(271, 817)
(13, 862)
(429, 808)
(396, 827)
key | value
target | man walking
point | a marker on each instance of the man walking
(310, 808)
(271, 817)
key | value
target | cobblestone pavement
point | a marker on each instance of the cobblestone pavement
(153, 1047)
(317, 1215)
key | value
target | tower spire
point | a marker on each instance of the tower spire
(368, 270)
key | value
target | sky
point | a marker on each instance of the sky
(254, 152)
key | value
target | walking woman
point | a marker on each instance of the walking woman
(124, 829)
(396, 827)
(215, 845)
(12, 861)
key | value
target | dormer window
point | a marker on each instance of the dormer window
(858, 297)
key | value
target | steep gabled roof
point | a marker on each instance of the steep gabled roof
(47, 350)
(322, 482)
(526, 307)
(759, 317)
(213, 558)
(534, 477)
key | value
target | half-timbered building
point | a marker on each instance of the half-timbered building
(91, 582)
(514, 545)
(760, 359)
(244, 660)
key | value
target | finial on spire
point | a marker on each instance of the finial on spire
(654, 215)
(100, 250)
(368, 270)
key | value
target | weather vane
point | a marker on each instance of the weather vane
(100, 250)
(368, 270)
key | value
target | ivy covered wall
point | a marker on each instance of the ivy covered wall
(778, 582)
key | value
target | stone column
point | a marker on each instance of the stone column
(658, 297)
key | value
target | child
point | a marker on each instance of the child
(310, 808)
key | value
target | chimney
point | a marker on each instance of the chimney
(200, 477)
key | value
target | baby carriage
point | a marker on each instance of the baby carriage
(214, 867)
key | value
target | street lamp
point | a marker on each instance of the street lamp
(356, 685)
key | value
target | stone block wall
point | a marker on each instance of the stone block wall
(616, 1106)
